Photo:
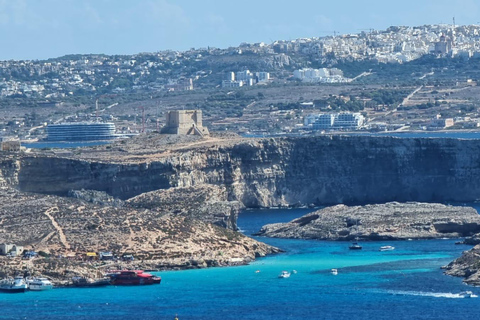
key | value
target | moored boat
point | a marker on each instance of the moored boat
(334, 272)
(16, 285)
(284, 274)
(39, 284)
(133, 277)
(355, 246)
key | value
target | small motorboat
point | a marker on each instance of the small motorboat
(467, 294)
(39, 284)
(387, 248)
(334, 272)
(284, 274)
(16, 285)
(355, 246)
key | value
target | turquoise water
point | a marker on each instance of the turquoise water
(406, 283)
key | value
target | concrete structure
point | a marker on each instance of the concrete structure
(345, 120)
(232, 84)
(81, 131)
(262, 76)
(10, 144)
(440, 123)
(185, 122)
(14, 249)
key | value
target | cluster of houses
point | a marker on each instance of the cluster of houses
(12, 250)
(245, 78)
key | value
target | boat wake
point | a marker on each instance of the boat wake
(447, 295)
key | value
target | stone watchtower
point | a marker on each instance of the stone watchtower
(185, 122)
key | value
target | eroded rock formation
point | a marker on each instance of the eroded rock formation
(268, 172)
(388, 221)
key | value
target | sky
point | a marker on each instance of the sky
(42, 29)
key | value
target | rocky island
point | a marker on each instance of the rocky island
(390, 221)
(467, 266)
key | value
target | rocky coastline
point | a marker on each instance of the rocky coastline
(173, 201)
(466, 267)
(390, 221)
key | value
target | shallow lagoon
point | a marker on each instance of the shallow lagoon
(406, 283)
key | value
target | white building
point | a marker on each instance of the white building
(245, 75)
(262, 76)
(320, 75)
(232, 84)
(329, 121)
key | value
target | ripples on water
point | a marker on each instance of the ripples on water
(406, 283)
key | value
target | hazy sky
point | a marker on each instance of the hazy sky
(40, 29)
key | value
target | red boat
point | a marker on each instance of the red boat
(133, 277)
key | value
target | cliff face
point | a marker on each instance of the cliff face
(283, 171)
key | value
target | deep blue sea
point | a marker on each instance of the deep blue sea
(406, 283)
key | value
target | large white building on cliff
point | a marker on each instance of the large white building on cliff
(335, 121)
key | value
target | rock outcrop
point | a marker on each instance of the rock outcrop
(388, 221)
(268, 172)
(70, 227)
(204, 202)
(467, 266)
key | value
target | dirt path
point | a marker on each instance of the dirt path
(63, 239)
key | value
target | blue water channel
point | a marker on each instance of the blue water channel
(406, 283)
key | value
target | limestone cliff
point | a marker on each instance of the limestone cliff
(272, 171)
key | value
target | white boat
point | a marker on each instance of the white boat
(334, 271)
(387, 248)
(467, 294)
(15, 285)
(39, 284)
(284, 274)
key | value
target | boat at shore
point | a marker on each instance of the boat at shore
(133, 277)
(16, 285)
(39, 284)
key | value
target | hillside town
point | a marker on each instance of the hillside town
(175, 70)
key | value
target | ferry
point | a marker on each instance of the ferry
(133, 277)
(39, 284)
(16, 285)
